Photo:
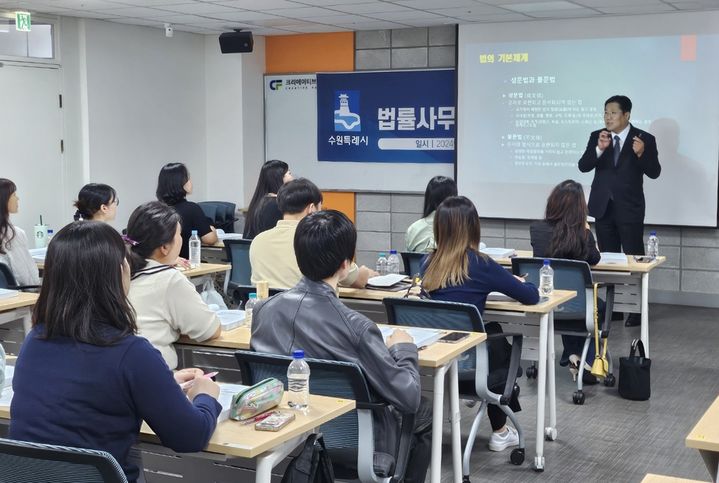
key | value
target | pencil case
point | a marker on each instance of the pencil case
(256, 399)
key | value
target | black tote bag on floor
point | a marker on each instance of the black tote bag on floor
(634, 380)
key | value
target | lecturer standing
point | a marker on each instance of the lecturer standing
(620, 156)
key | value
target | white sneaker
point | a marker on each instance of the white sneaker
(500, 441)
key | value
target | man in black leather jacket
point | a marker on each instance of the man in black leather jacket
(311, 317)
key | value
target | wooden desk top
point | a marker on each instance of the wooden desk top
(652, 478)
(206, 269)
(22, 299)
(705, 435)
(631, 266)
(434, 355)
(240, 440)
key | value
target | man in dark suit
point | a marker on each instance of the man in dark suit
(620, 156)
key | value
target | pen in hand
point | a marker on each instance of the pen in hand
(187, 385)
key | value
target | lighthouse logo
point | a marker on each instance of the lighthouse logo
(346, 109)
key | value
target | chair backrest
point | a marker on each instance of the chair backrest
(328, 378)
(437, 314)
(7, 279)
(412, 262)
(220, 213)
(568, 275)
(24, 462)
(238, 253)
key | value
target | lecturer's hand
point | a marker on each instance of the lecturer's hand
(638, 146)
(605, 139)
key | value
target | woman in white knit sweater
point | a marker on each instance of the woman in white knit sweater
(14, 250)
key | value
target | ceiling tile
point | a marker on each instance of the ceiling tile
(571, 13)
(198, 8)
(243, 16)
(617, 3)
(260, 5)
(434, 4)
(303, 12)
(470, 11)
(376, 25)
(414, 15)
(139, 12)
(637, 9)
(695, 4)
(85, 4)
(342, 19)
(331, 3)
(542, 6)
(370, 7)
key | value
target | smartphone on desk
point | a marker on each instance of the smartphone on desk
(453, 337)
(275, 421)
(643, 258)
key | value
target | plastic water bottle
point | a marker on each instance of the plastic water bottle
(382, 263)
(393, 262)
(653, 245)
(298, 381)
(546, 280)
(249, 305)
(194, 250)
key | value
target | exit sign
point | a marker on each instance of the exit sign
(22, 21)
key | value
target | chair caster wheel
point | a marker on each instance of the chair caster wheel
(539, 463)
(578, 397)
(465, 479)
(610, 380)
(550, 434)
(517, 456)
(532, 372)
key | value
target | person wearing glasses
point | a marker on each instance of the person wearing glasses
(620, 155)
(97, 202)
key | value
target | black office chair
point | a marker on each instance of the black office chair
(240, 285)
(25, 462)
(349, 438)
(7, 280)
(412, 262)
(474, 375)
(220, 213)
(576, 316)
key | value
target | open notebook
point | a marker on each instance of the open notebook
(613, 258)
(6, 293)
(225, 398)
(422, 337)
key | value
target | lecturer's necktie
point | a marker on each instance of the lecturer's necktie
(617, 149)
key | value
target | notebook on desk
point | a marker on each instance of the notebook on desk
(422, 337)
(497, 252)
(499, 297)
(613, 258)
(225, 398)
(6, 293)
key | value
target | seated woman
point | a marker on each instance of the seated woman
(263, 212)
(166, 302)
(173, 186)
(420, 234)
(14, 250)
(457, 272)
(565, 233)
(96, 201)
(83, 378)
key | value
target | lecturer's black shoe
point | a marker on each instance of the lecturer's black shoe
(633, 320)
(617, 315)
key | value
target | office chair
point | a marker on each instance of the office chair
(25, 462)
(474, 375)
(7, 280)
(576, 316)
(220, 213)
(349, 438)
(412, 262)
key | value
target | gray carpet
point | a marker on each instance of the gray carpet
(610, 439)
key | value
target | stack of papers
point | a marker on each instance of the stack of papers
(499, 297)
(422, 337)
(386, 280)
(38, 254)
(231, 319)
(228, 236)
(6, 293)
(495, 252)
(613, 258)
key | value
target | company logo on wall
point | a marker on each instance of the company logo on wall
(276, 84)
(345, 112)
(293, 84)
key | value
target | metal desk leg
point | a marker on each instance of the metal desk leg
(437, 413)
(711, 460)
(645, 312)
(454, 419)
(268, 460)
(541, 391)
(27, 320)
(550, 432)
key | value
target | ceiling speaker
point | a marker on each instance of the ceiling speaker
(236, 42)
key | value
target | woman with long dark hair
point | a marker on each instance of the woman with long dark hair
(565, 233)
(457, 271)
(83, 378)
(166, 302)
(263, 212)
(96, 201)
(420, 234)
(14, 250)
(173, 186)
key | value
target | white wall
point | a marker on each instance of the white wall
(253, 115)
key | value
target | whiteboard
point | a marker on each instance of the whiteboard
(291, 136)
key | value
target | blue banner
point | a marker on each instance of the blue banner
(387, 117)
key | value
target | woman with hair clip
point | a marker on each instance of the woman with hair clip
(83, 378)
(96, 201)
(166, 302)
(420, 234)
(565, 233)
(173, 186)
(457, 272)
(263, 212)
(14, 251)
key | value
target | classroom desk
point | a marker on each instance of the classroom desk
(441, 358)
(232, 439)
(634, 273)
(198, 276)
(653, 478)
(18, 307)
(514, 312)
(705, 438)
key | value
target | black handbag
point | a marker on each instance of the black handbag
(634, 380)
(312, 465)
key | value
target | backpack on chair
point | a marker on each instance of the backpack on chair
(312, 465)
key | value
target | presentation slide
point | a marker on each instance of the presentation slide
(526, 110)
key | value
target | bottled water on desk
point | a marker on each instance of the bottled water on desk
(382, 263)
(298, 381)
(249, 306)
(194, 250)
(546, 280)
(393, 262)
(653, 245)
